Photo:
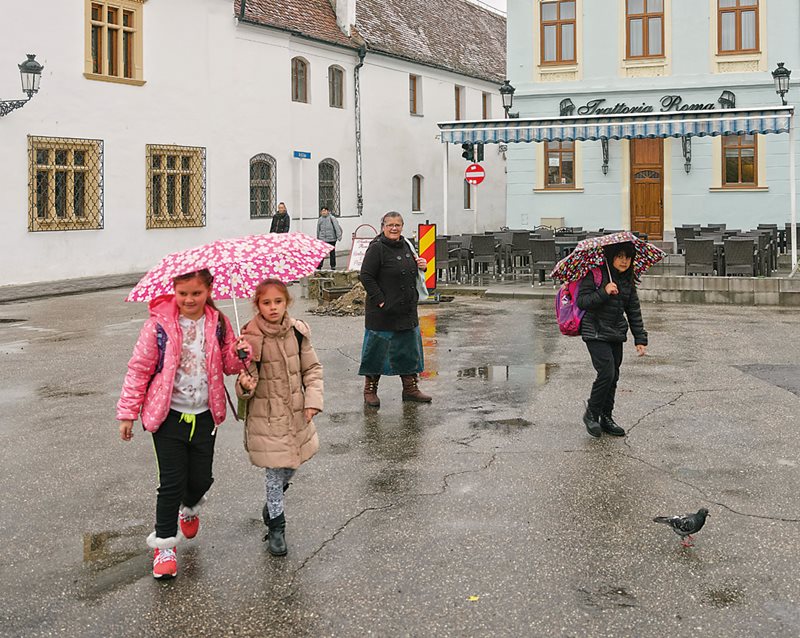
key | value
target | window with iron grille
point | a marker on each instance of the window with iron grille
(329, 186)
(336, 87)
(65, 178)
(299, 80)
(114, 48)
(176, 186)
(263, 186)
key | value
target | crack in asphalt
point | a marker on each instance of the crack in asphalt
(445, 486)
(656, 409)
(706, 496)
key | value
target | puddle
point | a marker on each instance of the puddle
(113, 559)
(10, 320)
(14, 347)
(538, 374)
(503, 426)
(608, 597)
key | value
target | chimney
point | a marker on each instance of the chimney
(345, 14)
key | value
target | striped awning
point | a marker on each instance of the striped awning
(770, 119)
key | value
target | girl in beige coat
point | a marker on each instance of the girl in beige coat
(283, 390)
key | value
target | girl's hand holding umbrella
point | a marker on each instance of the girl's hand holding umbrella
(243, 349)
(611, 288)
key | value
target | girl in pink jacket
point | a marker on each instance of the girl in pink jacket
(175, 380)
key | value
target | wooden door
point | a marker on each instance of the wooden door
(647, 187)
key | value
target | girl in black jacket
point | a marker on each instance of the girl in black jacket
(604, 329)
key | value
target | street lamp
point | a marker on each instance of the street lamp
(507, 93)
(781, 78)
(30, 72)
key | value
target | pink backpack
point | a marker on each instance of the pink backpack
(568, 314)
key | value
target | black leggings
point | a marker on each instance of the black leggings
(606, 359)
(184, 467)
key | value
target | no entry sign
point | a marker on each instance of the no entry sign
(474, 174)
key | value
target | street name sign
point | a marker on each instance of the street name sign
(302, 154)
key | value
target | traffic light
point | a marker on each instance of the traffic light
(479, 152)
(468, 151)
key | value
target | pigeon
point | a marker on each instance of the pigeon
(685, 526)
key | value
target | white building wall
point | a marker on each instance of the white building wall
(213, 83)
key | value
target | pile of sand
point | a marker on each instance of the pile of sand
(350, 304)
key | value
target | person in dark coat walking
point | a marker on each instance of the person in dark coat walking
(281, 220)
(604, 329)
(392, 341)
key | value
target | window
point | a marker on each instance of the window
(737, 24)
(299, 80)
(336, 87)
(66, 184)
(467, 195)
(486, 106)
(176, 186)
(329, 186)
(459, 102)
(644, 20)
(263, 186)
(416, 193)
(560, 159)
(558, 31)
(114, 41)
(415, 95)
(739, 161)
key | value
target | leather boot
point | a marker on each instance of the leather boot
(276, 535)
(371, 392)
(592, 423)
(411, 391)
(610, 426)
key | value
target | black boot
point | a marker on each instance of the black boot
(592, 423)
(610, 426)
(276, 535)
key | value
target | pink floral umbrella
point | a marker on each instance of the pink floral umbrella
(238, 265)
(589, 254)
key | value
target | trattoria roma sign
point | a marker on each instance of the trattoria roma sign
(668, 103)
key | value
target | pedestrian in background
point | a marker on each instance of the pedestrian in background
(175, 379)
(283, 389)
(604, 329)
(328, 230)
(392, 341)
(280, 220)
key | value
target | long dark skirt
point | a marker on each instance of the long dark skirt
(390, 352)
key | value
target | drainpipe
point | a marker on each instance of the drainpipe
(241, 9)
(362, 53)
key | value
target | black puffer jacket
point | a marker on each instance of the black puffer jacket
(389, 275)
(280, 223)
(605, 314)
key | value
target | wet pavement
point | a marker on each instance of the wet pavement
(489, 511)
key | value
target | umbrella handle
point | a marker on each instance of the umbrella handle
(233, 297)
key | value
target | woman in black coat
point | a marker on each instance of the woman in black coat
(392, 341)
(604, 329)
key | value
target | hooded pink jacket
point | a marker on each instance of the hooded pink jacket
(154, 401)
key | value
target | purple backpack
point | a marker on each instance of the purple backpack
(568, 314)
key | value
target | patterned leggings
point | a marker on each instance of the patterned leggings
(275, 480)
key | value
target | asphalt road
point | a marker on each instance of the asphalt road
(488, 512)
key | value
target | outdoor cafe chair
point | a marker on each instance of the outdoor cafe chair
(544, 232)
(740, 256)
(699, 257)
(520, 250)
(712, 228)
(682, 234)
(776, 246)
(695, 226)
(482, 249)
(543, 257)
(763, 241)
(448, 259)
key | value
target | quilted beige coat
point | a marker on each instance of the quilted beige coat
(276, 433)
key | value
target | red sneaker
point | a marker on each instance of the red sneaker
(189, 525)
(165, 563)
